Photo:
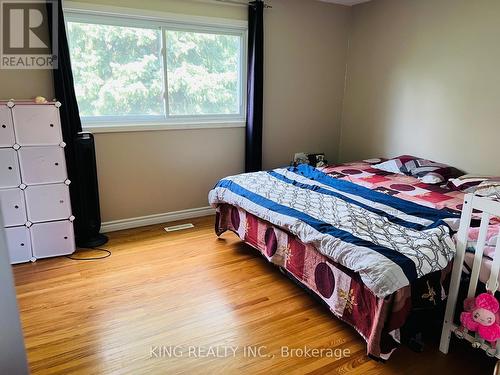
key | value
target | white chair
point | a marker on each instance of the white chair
(489, 208)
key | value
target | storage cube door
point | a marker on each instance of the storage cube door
(52, 239)
(12, 207)
(9, 168)
(37, 125)
(47, 202)
(18, 244)
(42, 165)
(6, 128)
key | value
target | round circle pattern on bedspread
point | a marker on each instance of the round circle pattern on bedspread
(235, 218)
(351, 171)
(325, 282)
(402, 187)
(271, 242)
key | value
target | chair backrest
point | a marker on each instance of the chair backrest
(489, 208)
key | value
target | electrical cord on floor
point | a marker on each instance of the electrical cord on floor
(106, 255)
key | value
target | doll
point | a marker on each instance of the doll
(481, 316)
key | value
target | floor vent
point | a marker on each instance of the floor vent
(174, 228)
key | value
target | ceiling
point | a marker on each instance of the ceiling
(345, 2)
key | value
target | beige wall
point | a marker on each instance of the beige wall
(192, 7)
(25, 84)
(144, 173)
(424, 79)
(305, 57)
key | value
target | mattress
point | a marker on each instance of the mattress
(389, 241)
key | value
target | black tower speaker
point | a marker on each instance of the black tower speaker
(88, 214)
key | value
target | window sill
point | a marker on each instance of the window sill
(150, 126)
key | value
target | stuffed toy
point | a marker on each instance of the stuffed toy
(481, 316)
(40, 100)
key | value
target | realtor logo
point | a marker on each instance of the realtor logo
(26, 41)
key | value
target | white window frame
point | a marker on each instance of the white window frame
(79, 12)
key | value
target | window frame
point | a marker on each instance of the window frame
(116, 16)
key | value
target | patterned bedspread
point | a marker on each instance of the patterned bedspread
(390, 242)
(405, 187)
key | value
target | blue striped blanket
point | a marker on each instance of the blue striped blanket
(390, 242)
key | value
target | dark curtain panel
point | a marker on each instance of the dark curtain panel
(255, 87)
(63, 81)
(70, 117)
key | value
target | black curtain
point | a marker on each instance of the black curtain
(70, 117)
(255, 87)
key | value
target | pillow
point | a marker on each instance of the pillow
(431, 172)
(489, 188)
(396, 165)
(467, 183)
(425, 170)
(432, 178)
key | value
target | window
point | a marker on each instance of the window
(117, 70)
(135, 72)
(202, 71)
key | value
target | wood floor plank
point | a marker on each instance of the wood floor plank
(191, 289)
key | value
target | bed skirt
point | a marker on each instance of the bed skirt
(378, 321)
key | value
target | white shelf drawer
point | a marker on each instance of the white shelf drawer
(52, 239)
(42, 165)
(18, 244)
(37, 125)
(12, 207)
(6, 129)
(48, 202)
(9, 168)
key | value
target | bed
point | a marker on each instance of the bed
(348, 259)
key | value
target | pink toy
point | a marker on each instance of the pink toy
(481, 316)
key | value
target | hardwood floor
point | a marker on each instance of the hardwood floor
(185, 289)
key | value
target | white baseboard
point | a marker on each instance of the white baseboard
(141, 221)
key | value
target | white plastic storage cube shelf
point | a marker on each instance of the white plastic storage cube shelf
(12, 207)
(34, 193)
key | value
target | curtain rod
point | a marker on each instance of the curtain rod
(233, 2)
